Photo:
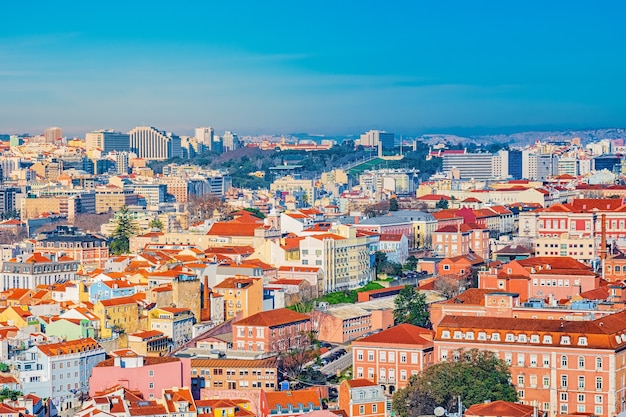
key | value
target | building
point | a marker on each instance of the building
(562, 367)
(175, 323)
(89, 250)
(462, 239)
(362, 397)
(151, 144)
(148, 375)
(234, 374)
(230, 141)
(552, 277)
(30, 270)
(272, 331)
(117, 315)
(289, 403)
(243, 296)
(52, 134)
(501, 408)
(59, 370)
(389, 358)
(376, 138)
(205, 136)
(478, 166)
(107, 141)
(303, 190)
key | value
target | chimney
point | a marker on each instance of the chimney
(356, 219)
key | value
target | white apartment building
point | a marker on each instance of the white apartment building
(27, 271)
(149, 143)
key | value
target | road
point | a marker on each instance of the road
(340, 364)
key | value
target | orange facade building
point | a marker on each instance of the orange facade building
(390, 357)
(562, 367)
(362, 398)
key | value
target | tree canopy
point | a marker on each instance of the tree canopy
(411, 307)
(442, 204)
(477, 376)
(126, 227)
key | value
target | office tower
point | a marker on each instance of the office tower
(477, 166)
(610, 162)
(52, 134)
(205, 135)
(515, 164)
(107, 141)
(121, 163)
(374, 138)
(149, 143)
(230, 141)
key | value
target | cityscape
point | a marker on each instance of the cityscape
(313, 209)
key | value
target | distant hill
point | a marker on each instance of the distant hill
(528, 138)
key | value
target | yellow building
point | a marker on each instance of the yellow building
(243, 296)
(20, 317)
(119, 314)
(176, 323)
(292, 186)
(33, 207)
(113, 198)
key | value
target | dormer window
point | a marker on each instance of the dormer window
(547, 339)
(582, 341)
(522, 338)
(495, 337)
(458, 335)
(445, 334)
(534, 338)
(482, 336)
(510, 337)
(565, 340)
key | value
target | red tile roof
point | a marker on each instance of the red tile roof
(500, 408)
(402, 334)
(273, 318)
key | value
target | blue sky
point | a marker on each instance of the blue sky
(319, 67)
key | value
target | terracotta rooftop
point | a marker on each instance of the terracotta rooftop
(272, 318)
(402, 334)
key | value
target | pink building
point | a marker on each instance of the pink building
(149, 375)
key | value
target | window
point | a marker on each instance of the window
(581, 408)
(370, 356)
(520, 380)
(582, 341)
(598, 410)
(522, 338)
(563, 408)
(508, 358)
(581, 382)
(598, 399)
(599, 383)
(482, 336)
(533, 360)
(546, 382)
(151, 385)
(520, 359)
(458, 335)
(581, 398)
(359, 355)
(374, 408)
(581, 362)
(403, 357)
(520, 393)
(598, 363)
(510, 337)
(534, 338)
(445, 334)
(382, 356)
(361, 409)
(414, 358)
(495, 337)
(564, 396)
(547, 339)
(546, 361)
(563, 381)
(564, 361)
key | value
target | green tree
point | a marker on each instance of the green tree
(411, 263)
(411, 307)
(442, 204)
(258, 213)
(474, 375)
(393, 204)
(156, 223)
(124, 230)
